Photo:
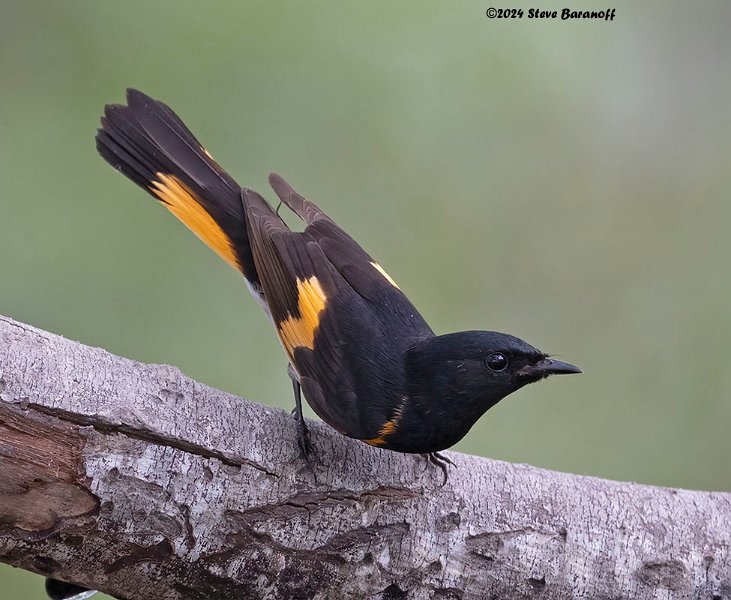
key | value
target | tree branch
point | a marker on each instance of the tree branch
(135, 480)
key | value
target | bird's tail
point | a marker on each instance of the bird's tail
(147, 142)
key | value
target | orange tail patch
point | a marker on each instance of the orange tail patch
(180, 201)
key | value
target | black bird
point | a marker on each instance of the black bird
(368, 363)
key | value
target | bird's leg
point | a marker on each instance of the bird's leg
(303, 434)
(307, 451)
(441, 461)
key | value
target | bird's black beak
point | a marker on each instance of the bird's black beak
(546, 367)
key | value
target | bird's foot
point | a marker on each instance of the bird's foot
(306, 448)
(441, 461)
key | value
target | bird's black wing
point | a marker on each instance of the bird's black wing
(342, 320)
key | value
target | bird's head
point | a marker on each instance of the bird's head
(481, 366)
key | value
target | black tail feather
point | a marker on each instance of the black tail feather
(147, 142)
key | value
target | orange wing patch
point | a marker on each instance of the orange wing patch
(300, 331)
(182, 203)
(381, 270)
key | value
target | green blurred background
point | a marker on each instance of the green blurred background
(567, 182)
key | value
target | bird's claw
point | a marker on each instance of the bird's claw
(440, 461)
(306, 448)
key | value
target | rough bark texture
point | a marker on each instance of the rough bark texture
(133, 479)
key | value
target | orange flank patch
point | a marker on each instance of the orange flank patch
(388, 427)
(181, 202)
(299, 331)
(381, 270)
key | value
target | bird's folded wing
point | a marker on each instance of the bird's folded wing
(341, 319)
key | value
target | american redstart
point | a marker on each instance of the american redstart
(367, 362)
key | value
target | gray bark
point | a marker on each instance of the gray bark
(136, 480)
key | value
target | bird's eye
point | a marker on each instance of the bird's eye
(496, 362)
